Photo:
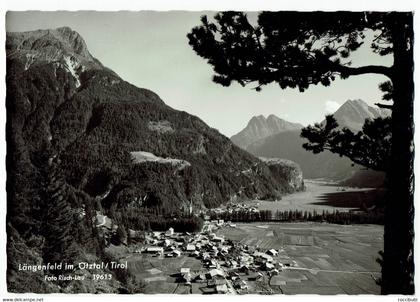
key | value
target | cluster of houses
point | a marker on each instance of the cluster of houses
(227, 266)
(235, 207)
(214, 279)
(171, 244)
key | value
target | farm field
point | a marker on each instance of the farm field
(319, 258)
(160, 273)
(331, 259)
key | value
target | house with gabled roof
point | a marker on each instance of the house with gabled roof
(221, 289)
(216, 273)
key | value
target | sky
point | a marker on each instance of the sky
(150, 50)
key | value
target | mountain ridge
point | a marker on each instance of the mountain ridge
(58, 46)
(260, 127)
(353, 113)
(288, 144)
(91, 98)
(81, 137)
(49, 44)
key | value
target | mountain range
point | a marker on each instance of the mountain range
(260, 127)
(80, 137)
(62, 100)
(286, 143)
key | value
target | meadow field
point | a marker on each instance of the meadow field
(330, 258)
(319, 258)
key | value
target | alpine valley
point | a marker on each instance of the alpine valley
(84, 148)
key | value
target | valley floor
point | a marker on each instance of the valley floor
(322, 196)
(319, 258)
(331, 259)
(313, 258)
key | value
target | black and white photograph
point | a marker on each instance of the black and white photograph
(232, 152)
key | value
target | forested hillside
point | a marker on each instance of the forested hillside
(74, 129)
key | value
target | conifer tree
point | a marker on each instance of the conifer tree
(299, 49)
(59, 245)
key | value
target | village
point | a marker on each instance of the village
(255, 257)
(228, 266)
(233, 207)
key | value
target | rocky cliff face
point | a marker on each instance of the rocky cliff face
(286, 171)
(260, 127)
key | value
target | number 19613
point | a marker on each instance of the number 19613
(96, 277)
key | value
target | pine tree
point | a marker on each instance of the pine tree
(59, 245)
(299, 49)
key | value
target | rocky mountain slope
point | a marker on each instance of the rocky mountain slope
(288, 145)
(62, 100)
(117, 149)
(287, 170)
(260, 127)
(353, 113)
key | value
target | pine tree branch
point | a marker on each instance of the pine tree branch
(385, 106)
(377, 69)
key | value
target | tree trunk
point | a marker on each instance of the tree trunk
(398, 266)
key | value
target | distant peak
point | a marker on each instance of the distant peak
(273, 117)
(257, 118)
(353, 105)
(260, 127)
(271, 120)
(64, 29)
(356, 102)
(261, 117)
(353, 113)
